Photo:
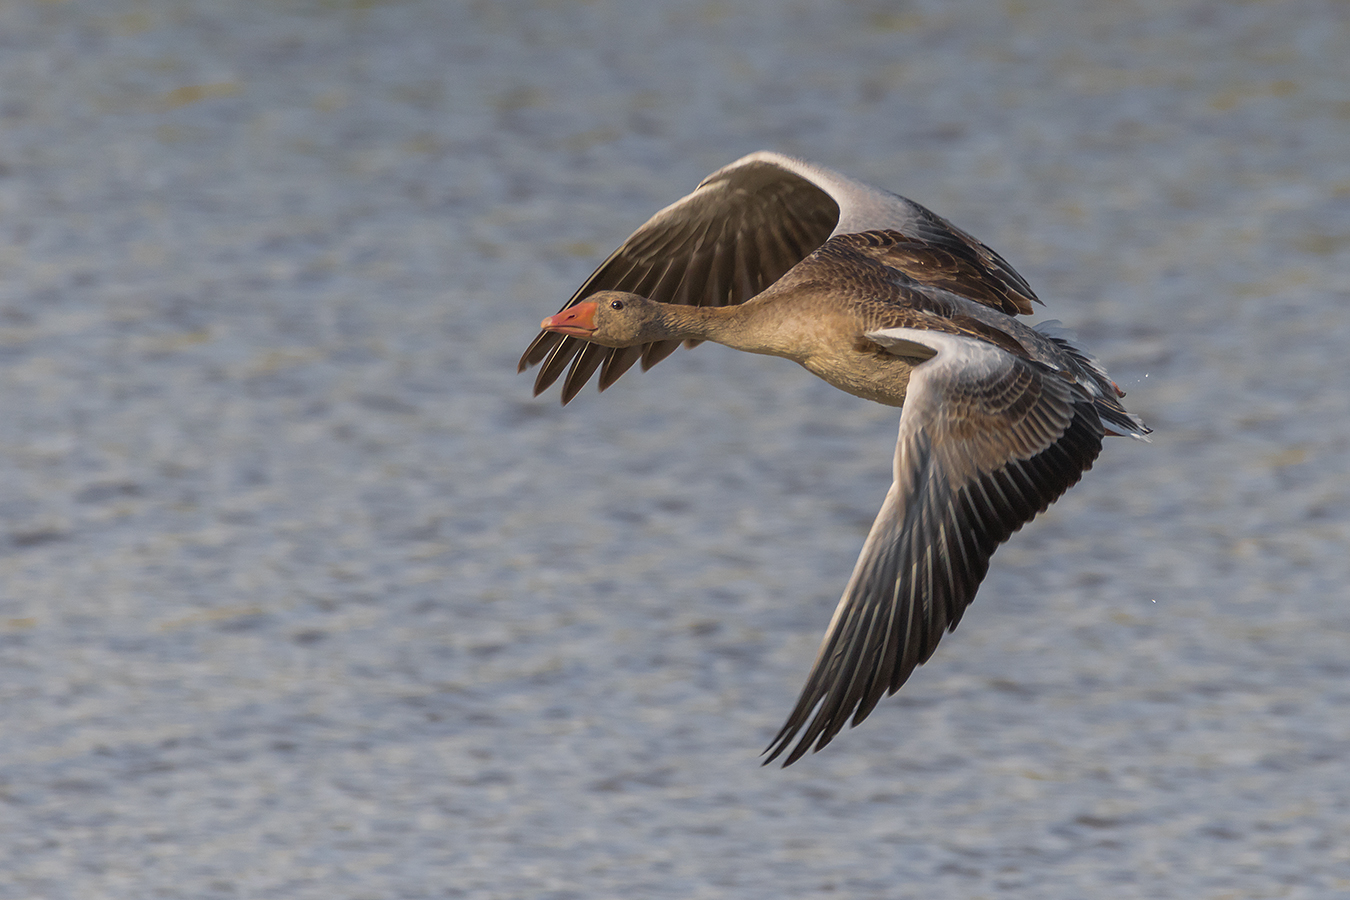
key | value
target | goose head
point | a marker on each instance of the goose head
(614, 319)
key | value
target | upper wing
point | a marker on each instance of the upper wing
(735, 235)
(987, 440)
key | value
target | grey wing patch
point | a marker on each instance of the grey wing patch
(987, 441)
(740, 231)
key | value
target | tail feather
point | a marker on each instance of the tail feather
(1106, 393)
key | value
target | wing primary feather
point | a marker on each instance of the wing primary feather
(539, 348)
(583, 367)
(622, 359)
(718, 271)
(744, 272)
(952, 598)
(888, 658)
(556, 363)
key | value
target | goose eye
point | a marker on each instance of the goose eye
(616, 304)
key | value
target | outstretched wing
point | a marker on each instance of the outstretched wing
(735, 235)
(987, 441)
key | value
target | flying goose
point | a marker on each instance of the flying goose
(888, 301)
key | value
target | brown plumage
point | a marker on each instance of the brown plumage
(888, 301)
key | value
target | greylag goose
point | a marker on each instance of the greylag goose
(888, 301)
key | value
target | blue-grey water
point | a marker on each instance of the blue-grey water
(303, 596)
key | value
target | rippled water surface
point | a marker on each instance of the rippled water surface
(303, 596)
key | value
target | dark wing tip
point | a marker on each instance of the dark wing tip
(927, 568)
(782, 742)
(543, 344)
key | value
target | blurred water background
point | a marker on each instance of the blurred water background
(303, 596)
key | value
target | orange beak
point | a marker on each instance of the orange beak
(578, 320)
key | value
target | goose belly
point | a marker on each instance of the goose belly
(880, 378)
